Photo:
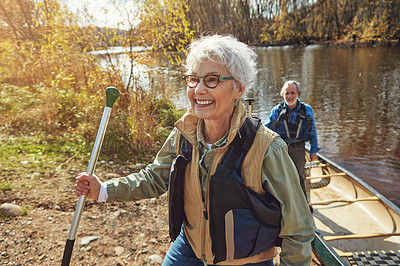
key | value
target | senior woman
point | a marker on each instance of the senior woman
(219, 69)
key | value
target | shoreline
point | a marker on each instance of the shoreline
(351, 44)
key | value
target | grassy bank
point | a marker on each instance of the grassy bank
(45, 141)
(36, 145)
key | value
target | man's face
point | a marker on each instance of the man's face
(291, 95)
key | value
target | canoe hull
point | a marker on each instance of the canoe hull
(349, 215)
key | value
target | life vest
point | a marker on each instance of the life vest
(238, 216)
(293, 130)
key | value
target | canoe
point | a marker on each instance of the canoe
(355, 224)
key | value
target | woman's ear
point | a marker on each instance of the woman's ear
(239, 91)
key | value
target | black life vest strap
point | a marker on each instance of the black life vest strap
(283, 109)
(302, 115)
(241, 144)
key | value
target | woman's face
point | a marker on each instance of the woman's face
(216, 103)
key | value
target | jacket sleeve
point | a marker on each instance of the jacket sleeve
(280, 178)
(149, 182)
(272, 117)
(313, 136)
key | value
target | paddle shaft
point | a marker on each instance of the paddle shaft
(250, 101)
(112, 95)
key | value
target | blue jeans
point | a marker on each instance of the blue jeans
(180, 253)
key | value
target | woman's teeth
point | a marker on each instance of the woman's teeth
(203, 102)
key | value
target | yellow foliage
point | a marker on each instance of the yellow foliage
(45, 52)
(166, 26)
(333, 20)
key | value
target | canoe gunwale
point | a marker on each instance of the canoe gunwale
(325, 253)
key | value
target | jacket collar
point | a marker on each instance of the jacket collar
(187, 124)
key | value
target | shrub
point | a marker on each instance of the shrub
(51, 84)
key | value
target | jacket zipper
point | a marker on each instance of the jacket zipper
(205, 214)
(203, 240)
(205, 211)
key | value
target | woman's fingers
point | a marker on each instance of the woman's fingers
(82, 184)
(88, 185)
(80, 191)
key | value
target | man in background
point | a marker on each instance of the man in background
(294, 121)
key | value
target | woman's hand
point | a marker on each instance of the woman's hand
(88, 185)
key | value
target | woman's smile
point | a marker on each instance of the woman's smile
(201, 103)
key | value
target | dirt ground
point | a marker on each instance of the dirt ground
(129, 233)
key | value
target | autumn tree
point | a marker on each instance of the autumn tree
(333, 20)
(47, 51)
(165, 25)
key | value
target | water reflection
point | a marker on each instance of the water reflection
(355, 94)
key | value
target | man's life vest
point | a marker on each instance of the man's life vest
(238, 215)
(293, 130)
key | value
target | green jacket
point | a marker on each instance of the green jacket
(267, 162)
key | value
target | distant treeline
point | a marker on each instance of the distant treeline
(276, 22)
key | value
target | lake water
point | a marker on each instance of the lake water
(355, 94)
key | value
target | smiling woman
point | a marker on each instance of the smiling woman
(215, 142)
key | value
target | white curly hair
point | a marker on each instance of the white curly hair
(238, 57)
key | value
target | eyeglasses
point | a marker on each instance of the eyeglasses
(211, 81)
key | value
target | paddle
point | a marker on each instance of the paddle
(250, 101)
(111, 96)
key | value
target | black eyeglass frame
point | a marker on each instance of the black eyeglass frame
(205, 80)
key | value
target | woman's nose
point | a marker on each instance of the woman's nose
(201, 87)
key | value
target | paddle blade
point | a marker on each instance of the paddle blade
(112, 95)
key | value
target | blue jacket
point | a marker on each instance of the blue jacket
(302, 115)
